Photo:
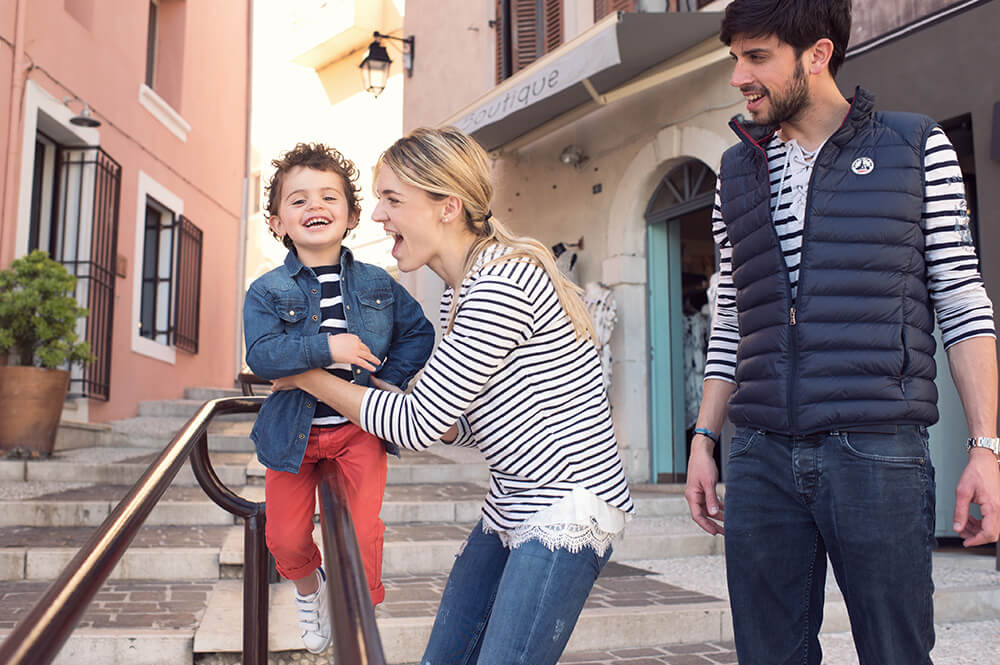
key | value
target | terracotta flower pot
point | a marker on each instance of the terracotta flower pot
(31, 401)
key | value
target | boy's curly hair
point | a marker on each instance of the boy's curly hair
(316, 156)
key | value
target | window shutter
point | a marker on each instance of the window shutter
(187, 295)
(604, 7)
(553, 24)
(525, 36)
(501, 32)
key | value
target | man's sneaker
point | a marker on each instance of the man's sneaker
(314, 616)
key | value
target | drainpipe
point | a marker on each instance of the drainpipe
(18, 76)
(241, 257)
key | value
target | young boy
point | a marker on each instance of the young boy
(323, 309)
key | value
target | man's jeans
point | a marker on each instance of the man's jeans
(864, 499)
(510, 607)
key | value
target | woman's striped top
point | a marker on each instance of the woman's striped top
(522, 388)
(956, 288)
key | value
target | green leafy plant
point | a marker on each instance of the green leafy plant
(38, 313)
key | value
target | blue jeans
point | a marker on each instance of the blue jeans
(510, 607)
(866, 500)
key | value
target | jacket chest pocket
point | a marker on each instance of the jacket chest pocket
(376, 311)
(291, 311)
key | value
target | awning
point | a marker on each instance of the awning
(614, 51)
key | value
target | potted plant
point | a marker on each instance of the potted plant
(38, 316)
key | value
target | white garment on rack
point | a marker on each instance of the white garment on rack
(600, 302)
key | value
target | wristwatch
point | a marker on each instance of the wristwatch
(988, 442)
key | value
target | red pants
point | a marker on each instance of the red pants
(360, 461)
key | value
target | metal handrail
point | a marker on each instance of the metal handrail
(355, 634)
(38, 637)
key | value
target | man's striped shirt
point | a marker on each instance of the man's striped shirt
(956, 288)
(522, 388)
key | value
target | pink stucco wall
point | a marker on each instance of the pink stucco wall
(97, 51)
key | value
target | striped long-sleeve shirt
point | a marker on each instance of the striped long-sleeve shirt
(522, 388)
(956, 288)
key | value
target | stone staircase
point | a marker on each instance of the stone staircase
(176, 596)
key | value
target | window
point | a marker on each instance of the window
(255, 193)
(525, 31)
(151, 42)
(157, 272)
(168, 279)
(165, 37)
(74, 217)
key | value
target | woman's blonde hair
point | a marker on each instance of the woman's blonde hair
(447, 162)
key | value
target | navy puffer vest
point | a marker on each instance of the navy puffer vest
(857, 346)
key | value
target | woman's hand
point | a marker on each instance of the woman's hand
(385, 385)
(349, 349)
(295, 381)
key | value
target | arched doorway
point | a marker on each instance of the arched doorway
(681, 257)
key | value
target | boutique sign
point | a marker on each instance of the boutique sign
(529, 86)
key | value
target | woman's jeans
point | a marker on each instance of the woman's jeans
(866, 500)
(510, 607)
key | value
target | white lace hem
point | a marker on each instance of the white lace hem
(572, 537)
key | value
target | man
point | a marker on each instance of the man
(842, 232)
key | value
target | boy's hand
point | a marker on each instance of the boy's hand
(347, 348)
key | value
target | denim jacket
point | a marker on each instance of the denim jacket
(281, 320)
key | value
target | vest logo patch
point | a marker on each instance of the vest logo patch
(863, 165)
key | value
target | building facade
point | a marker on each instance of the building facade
(125, 157)
(608, 120)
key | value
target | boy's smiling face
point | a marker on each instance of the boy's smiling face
(313, 212)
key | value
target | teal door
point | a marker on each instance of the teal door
(666, 389)
(679, 258)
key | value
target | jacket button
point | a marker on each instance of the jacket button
(291, 312)
(378, 302)
(315, 318)
(315, 291)
(357, 371)
(309, 405)
(347, 307)
(302, 436)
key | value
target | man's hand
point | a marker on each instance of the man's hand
(349, 349)
(702, 475)
(979, 484)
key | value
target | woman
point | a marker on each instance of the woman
(517, 375)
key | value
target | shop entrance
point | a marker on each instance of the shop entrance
(681, 259)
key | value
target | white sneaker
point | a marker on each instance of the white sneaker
(314, 616)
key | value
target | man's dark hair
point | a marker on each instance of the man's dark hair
(798, 23)
(319, 157)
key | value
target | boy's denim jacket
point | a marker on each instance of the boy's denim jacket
(281, 319)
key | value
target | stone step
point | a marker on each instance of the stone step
(185, 408)
(629, 608)
(116, 466)
(411, 468)
(419, 548)
(153, 432)
(203, 394)
(156, 552)
(461, 503)
(73, 504)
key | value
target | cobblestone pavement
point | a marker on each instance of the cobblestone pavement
(127, 604)
(419, 595)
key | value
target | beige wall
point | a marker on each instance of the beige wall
(454, 58)
(97, 51)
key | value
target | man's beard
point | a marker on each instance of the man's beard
(787, 105)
